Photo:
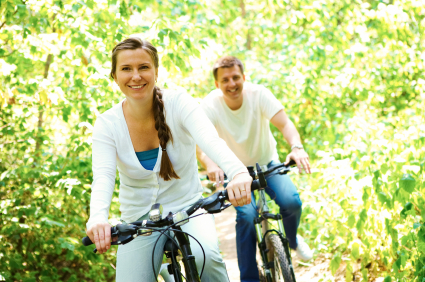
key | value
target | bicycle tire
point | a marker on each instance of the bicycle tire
(261, 273)
(281, 271)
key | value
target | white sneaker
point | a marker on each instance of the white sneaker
(303, 250)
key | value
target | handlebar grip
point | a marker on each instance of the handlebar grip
(86, 241)
(225, 194)
(225, 177)
(255, 185)
(291, 163)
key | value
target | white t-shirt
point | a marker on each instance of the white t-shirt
(247, 129)
(141, 188)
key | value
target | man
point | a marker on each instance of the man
(241, 113)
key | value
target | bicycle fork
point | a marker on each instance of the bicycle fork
(262, 245)
(188, 259)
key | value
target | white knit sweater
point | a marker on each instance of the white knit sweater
(141, 188)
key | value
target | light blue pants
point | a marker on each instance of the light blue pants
(134, 260)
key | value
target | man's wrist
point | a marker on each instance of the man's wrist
(298, 146)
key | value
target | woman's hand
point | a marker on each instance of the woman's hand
(239, 189)
(100, 234)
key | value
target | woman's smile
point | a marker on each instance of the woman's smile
(137, 87)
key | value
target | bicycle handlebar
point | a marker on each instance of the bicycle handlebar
(212, 204)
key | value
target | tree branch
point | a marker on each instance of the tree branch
(23, 2)
(248, 36)
(8, 54)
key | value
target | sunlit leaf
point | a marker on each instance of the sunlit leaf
(335, 263)
(407, 182)
(355, 250)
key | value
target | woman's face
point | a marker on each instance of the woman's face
(135, 74)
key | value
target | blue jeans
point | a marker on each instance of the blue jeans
(284, 193)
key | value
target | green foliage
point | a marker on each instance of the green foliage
(369, 194)
(349, 73)
(54, 67)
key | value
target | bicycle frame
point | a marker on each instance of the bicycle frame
(263, 229)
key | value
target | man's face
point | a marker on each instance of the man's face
(230, 81)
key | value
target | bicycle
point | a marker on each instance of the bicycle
(125, 233)
(274, 248)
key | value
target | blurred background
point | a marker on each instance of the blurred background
(350, 74)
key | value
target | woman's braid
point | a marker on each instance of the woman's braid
(164, 134)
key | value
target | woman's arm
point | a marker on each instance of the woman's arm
(104, 155)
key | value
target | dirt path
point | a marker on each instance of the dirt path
(225, 224)
(318, 270)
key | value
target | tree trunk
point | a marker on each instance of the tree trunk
(248, 35)
(41, 112)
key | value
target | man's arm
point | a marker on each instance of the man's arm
(290, 133)
(213, 171)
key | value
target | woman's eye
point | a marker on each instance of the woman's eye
(143, 67)
(124, 69)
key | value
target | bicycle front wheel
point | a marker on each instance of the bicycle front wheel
(282, 271)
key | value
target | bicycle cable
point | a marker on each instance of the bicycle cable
(153, 251)
(202, 249)
(163, 233)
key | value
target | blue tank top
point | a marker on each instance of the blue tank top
(148, 158)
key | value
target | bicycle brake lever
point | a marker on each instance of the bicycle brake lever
(126, 232)
(218, 208)
(214, 203)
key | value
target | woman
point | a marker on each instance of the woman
(150, 125)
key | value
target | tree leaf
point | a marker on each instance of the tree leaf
(387, 279)
(351, 220)
(416, 225)
(335, 263)
(407, 207)
(407, 182)
(355, 250)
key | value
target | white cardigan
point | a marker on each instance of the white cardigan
(141, 188)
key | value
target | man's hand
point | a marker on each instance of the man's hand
(215, 174)
(239, 189)
(301, 158)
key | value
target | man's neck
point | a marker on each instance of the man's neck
(234, 104)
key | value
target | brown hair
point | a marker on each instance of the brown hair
(226, 62)
(164, 133)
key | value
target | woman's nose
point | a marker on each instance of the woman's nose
(136, 75)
